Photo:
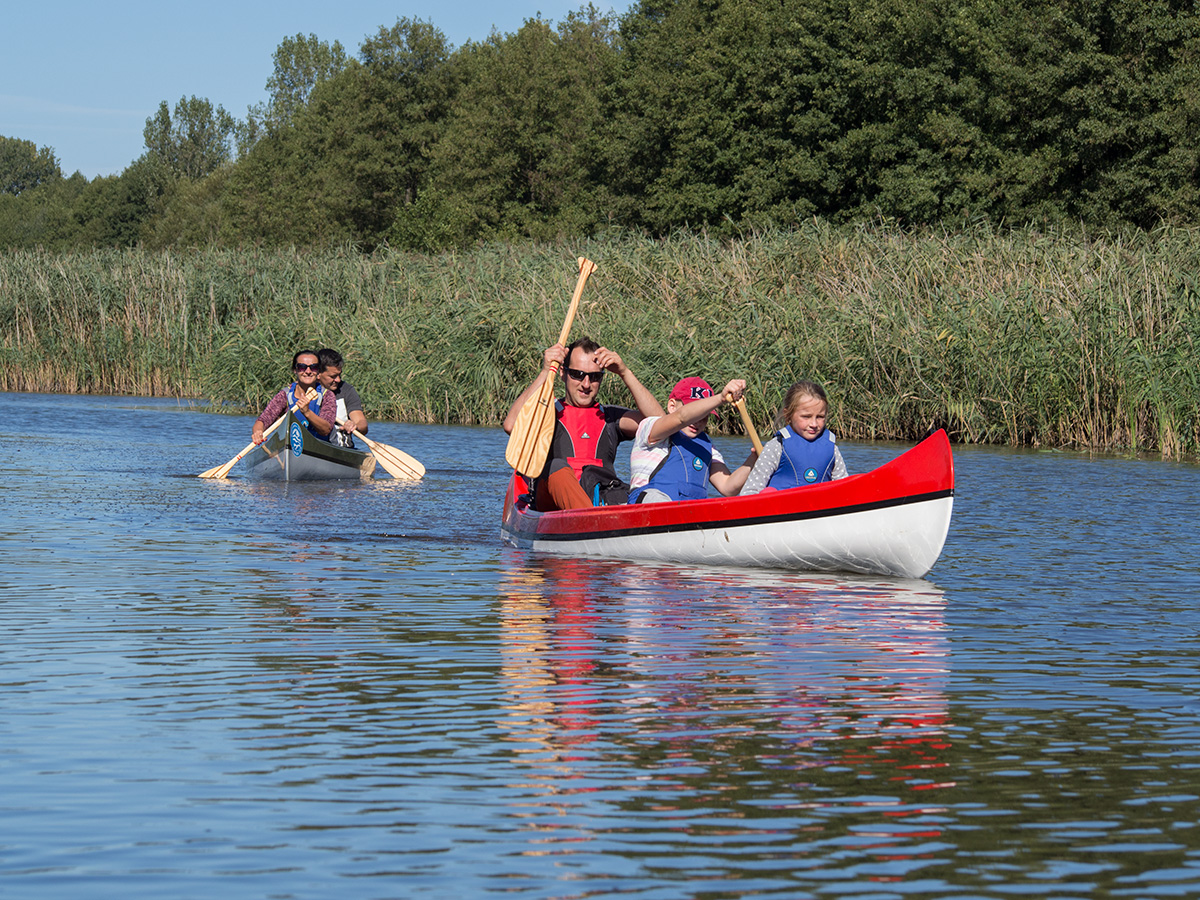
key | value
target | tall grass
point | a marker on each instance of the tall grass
(1016, 336)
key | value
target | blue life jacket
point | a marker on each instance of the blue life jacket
(314, 405)
(683, 473)
(803, 461)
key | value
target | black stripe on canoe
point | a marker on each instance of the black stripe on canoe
(732, 523)
(342, 456)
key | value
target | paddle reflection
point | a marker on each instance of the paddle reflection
(699, 680)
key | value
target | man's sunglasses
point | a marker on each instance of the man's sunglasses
(301, 367)
(593, 377)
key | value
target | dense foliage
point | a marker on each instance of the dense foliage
(1018, 336)
(726, 114)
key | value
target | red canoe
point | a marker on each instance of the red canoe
(890, 521)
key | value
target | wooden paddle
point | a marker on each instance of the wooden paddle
(397, 463)
(222, 471)
(750, 430)
(529, 442)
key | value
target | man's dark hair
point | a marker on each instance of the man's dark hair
(329, 357)
(586, 344)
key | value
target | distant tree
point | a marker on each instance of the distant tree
(196, 142)
(400, 109)
(113, 211)
(1099, 110)
(301, 63)
(248, 131)
(703, 113)
(706, 108)
(519, 155)
(356, 152)
(192, 215)
(735, 111)
(24, 166)
(929, 110)
(41, 216)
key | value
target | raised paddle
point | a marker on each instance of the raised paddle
(741, 408)
(222, 471)
(529, 442)
(395, 462)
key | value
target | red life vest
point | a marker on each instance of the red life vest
(577, 436)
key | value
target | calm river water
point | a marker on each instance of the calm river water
(234, 689)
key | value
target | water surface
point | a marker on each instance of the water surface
(243, 689)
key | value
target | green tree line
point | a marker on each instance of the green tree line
(726, 115)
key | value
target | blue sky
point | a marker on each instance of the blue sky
(83, 77)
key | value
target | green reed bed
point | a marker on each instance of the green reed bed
(1017, 337)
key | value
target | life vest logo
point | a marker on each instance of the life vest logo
(586, 436)
(810, 475)
(296, 439)
(698, 464)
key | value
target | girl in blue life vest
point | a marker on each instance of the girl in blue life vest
(803, 451)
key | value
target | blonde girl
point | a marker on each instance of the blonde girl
(803, 451)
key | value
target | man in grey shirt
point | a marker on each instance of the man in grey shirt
(349, 405)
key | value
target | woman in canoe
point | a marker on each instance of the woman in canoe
(318, 416)
(803, 451)
(673, 458)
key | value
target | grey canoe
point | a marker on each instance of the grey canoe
(291, 453)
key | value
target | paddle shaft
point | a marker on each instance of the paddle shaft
(529, 442)
(586, 268)
(750, 429)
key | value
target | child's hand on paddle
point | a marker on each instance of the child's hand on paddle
(734, 390)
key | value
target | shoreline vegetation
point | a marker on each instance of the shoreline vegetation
(1025, 337)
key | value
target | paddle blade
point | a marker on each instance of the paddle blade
(395, 462)
(222, 471)
(529, 443)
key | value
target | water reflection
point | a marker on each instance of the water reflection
(755, 692)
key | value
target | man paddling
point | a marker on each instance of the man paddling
(349, 404)
(579, 469)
